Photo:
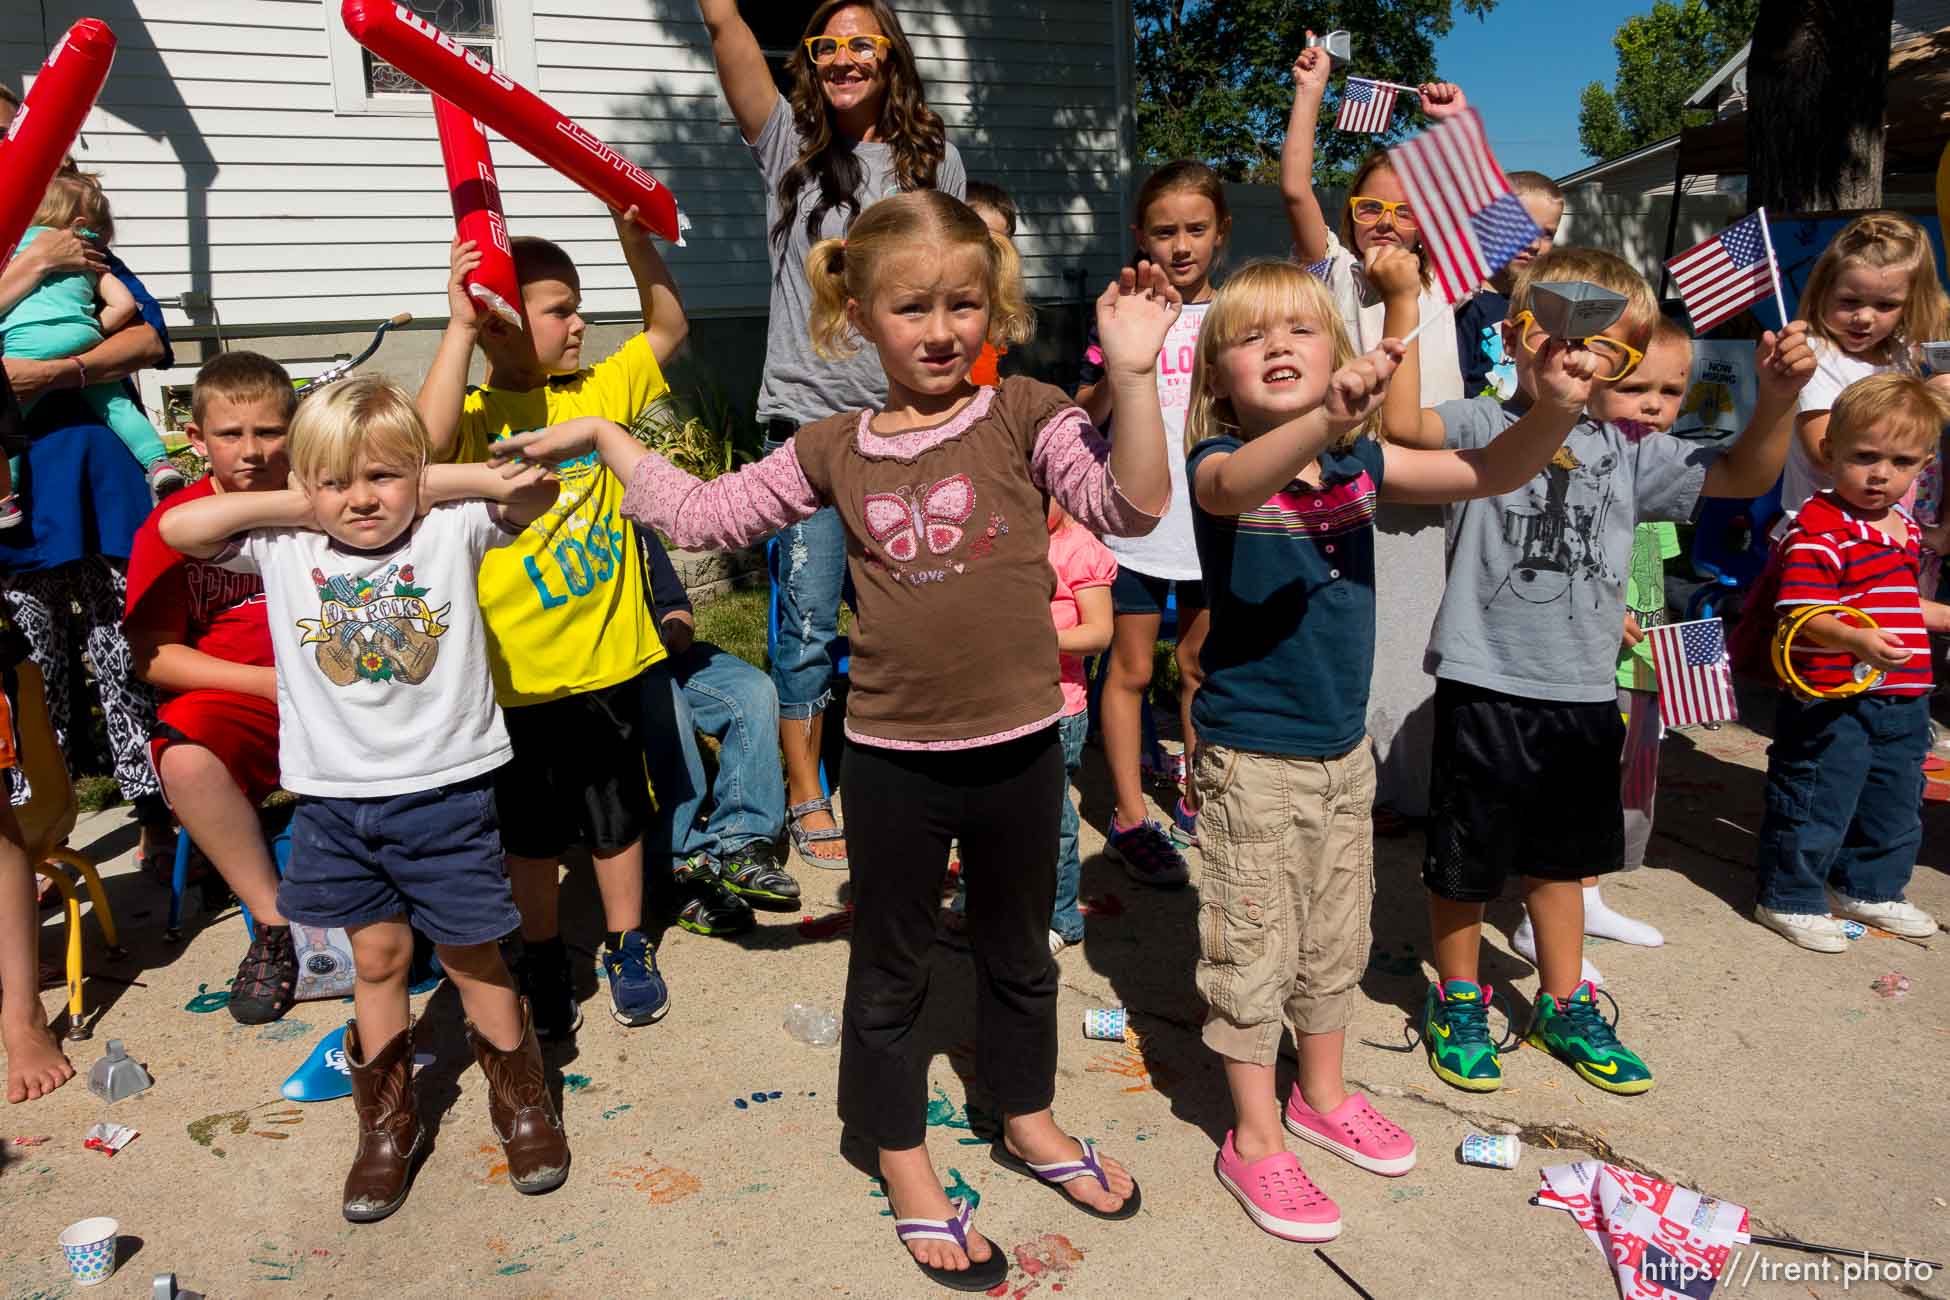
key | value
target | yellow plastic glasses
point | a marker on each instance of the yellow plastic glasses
(864, 49)
(1616, 359)
(1368, 211)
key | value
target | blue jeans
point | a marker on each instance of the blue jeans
(812, 571)
(1844, 800)
(1066, 920)
(713, 691)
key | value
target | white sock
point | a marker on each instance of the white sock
(1524, 940)
(1601, 921)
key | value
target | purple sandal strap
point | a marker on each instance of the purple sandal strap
(953, 1230)
(1064, 1171)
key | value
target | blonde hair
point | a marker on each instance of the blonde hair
(921, 221)
(1914, 411)
(365, 418)
(1263, 292)
(77, 196)
(1596, 266)
(1374, 162)
(1881, 240)
(242, 377)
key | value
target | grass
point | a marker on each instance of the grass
(736, 622)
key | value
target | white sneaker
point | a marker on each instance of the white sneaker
(1524, 940)
(1906, 919)
(1814, 932)
(1057, 943)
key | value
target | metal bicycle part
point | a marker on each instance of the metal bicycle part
(331, 376)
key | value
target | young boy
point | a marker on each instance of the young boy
(998, 212)
(197, 633)
(701, 687)
(1524, 651)
(1486, 364)
(569, 629)
(1843, 786)
(390, 738)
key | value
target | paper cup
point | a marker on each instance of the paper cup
(1106, 1023)
(90, 1247)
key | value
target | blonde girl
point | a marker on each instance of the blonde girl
(955, 701)
(1285, 483)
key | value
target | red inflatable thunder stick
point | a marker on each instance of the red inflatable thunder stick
(49, 119)
(451, 71)
(477, 210)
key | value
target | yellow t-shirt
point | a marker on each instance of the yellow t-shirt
(565, 606)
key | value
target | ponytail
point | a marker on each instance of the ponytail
(832, 333)
(1011, 318)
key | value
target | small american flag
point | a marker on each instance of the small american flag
(1365, 106)
(1728, 273)
(1695, 685)
(1472, 225)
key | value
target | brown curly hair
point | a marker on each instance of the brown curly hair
(912, 129)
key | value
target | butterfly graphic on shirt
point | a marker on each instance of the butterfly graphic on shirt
(910, 517)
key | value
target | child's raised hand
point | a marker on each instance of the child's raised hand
(1441, 99)
(1310, 72)
(628, 229)
(1356, 388)
(1395, 271)
(1134, 314)
(1784, 362)
(462, 260)
(1564, 373)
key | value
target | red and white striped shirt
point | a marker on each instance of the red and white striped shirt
(1831, 557)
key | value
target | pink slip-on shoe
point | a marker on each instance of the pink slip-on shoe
(1355, 1131)
(1278, 1196)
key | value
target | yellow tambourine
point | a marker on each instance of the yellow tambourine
(1865, 676)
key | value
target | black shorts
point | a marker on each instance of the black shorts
(1521, 787)
(578, 774)
(1132, 592)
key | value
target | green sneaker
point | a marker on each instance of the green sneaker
(708, 905)
(753, 875)
(1576, 1033)
(1456, 1032)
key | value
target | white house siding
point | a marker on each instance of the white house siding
(234, 178)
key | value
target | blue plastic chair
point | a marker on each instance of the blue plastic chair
(842, 650)
(179, 879)
(1730, 547)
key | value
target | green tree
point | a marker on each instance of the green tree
(1214, 76)
(1663, 56)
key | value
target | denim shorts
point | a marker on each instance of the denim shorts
(433, 856)
(1132, 592)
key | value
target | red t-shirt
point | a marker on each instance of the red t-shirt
(1831, 557)
(178, 600)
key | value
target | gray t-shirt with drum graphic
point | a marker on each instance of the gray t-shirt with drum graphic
(799, 384)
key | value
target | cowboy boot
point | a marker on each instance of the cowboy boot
(391, 1140)
(522, 1111)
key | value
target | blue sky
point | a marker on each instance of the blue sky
(1524, 67)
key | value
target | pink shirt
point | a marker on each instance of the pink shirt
(1080, 561)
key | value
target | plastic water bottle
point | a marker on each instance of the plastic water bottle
(812, 1024)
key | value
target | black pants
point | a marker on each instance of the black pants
(1002, 802)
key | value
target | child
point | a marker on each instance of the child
(704, 688)
(1182, 226)
(955, 700)
(1843, 775)
(58, 319)
(390, 738)
(1285, 518)
(1479, 319)
(1086, 572)
(1525, 651)
(1872, 297)
(197, 633)
(569, 626)
(1645, 401)
(998, 212)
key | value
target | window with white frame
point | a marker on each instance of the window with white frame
(500, 32)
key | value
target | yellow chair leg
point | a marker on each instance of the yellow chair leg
(61, 882)
(89, 877)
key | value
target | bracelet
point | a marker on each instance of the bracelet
(1791, 626)
(82, 367)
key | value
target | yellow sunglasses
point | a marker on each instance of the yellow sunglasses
(1616, 358)
(1367, 211)
(865, 49)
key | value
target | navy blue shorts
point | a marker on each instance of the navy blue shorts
(432, 856)
(1132, 592)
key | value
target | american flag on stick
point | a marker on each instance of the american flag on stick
(1695, 684)
(1728, 273)
(1472, 225)
(1365, 105)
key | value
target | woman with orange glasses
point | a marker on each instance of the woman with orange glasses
(1408, 539)
(855, 128)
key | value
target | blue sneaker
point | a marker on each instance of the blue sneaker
(637, 992)
(1184, 825)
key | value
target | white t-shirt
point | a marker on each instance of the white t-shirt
(1362, 312)
(1835, 370)
(383, 684)
(1169, 551)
